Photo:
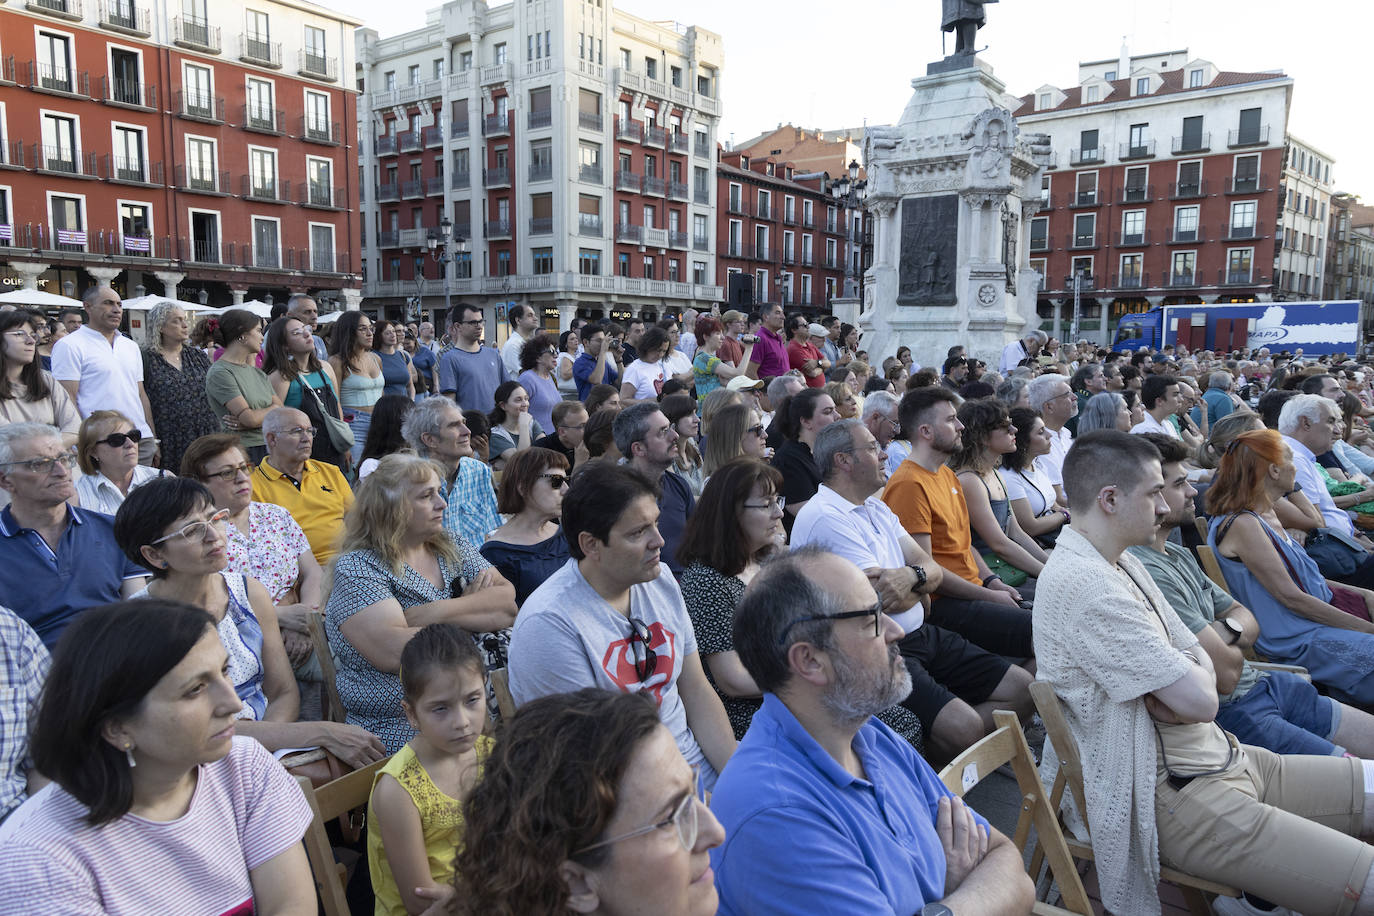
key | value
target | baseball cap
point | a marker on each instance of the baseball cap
(744, 383)
(817, 330)
(732, 315)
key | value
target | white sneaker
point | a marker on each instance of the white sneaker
(1239, 906)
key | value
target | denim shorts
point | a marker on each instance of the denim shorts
(1285, 714)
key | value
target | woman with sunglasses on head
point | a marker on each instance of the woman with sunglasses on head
(174, 377)
(538, 358)
(734, 431)
(359, 372)
(107, 453)
(587, 806)
(530, 547)
(28, 392)
(172, 527)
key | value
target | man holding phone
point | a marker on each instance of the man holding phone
(598, 364)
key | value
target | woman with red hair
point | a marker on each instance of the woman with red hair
(1270, 573)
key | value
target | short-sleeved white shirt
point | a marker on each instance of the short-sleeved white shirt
(108, 376)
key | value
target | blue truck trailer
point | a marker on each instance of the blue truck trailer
(1314, 327)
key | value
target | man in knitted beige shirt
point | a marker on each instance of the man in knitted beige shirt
(1163, 781)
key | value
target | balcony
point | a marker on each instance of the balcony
(590, 174)
(63, 9)
(314, 130)
(701, 195)
(390, 239)
(629, 130)
(432, 136)
(412, 189)
(734, 250)
(734, 205)
(1037, 243)
(629, 232)
(1084, 199)
(655, 238)
(1084, 241)
(63, 160)
(758, 252)
(1128, 280)
(497, 125)
(125, 170)
(127, 94)
(677, 142)
(1251, 136)
(677, 190)
(59, 80)
(11, 153)
(1136, 239)
(497, 229)
(265, 188)
(629, 181)
(540, 118)
(677, 239)
(1093, 156)
(789, 257)
(321, 196)
(386, 146)
(1227, 277)
(701, 243)
(461, 181)
(1193, 143)
(1187, 190)
(434, 186)
(123, 16)
(496, 178)
(654, 185)
(1191, 236)
(541, 225)
(1137, 194)
(655, 136)
(408, 141)
(191, 32)
(202, 181)
(589, 224)
(701, 150)
(256, 49)
(389, 192)
(263, 120)
(496, 73)
(589, 120)
(763, 211)
(541, 171)
(459, 129)
(7, 70)
(1045, 202)
(317, 66)
(199, 106)
(1236, 231)
(1248, 184)
(1145, 150)
(808, 221)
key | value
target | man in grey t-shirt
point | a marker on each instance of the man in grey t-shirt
(613, 617)
(469, 372)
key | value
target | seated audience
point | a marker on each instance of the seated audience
(733, 431)
(649, 443)
(24, 664)
(602, 396)
(157, 807)
(40, 531)
(1050, 396)
(513, 427)
(28, 392)
(613, 617)
(826, 810)
(573, 814)
(681, 411)
(569, 426)
(415, 813)
(398, 569)
(314, 492)
(530, 547)
(805, 414)
(1035, 502)
(1164, 783)
(436, 429)
(384, 431)
(1309, 424)
(107, 453)
(600, 435)
(1104, 410)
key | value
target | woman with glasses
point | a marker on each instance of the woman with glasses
(397, 570)
(586, 805)
(734, 431)
(107, 453)
(28, 393)
(397, 374)
(359, 372)
(1035, 500)
(172, 527)
(303, 382)
(530, 547)
(239, 392)
(174, 378)
(538, 357)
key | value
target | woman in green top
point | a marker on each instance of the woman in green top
(708, 370)
(289, 360)
(238, 391)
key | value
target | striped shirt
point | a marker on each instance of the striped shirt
(245, 811)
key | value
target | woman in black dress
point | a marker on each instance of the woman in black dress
(174, 377)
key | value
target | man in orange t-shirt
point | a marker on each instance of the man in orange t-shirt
(926, 496)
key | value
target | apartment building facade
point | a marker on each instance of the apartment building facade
(1167, 187)
(178, 149)
(1349, 269)
(1304, 222)
(567, 145)
(783, 237)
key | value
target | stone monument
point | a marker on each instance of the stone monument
(951, 189)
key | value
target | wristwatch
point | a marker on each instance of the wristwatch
(936, 909)
(920, 577)
(1235, 630)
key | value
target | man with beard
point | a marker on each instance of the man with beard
(826, 809)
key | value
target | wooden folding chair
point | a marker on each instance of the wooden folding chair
(1008, 745)
(500, 685)
(1210, 566)
(334, 708)
(331, 800)
(1200, 522)
(1070, 775)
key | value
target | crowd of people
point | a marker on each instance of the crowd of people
(745, 587)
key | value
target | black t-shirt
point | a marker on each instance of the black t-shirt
(1328, 460)
(553, 443)
(800, 476)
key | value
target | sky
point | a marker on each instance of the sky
(832, 65)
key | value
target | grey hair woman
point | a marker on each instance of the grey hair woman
(1104, 410)
(174, 374)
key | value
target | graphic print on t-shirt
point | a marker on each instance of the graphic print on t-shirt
(619, 662)
(243, 909)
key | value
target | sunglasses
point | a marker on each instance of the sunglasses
(117, 440)
(556, 481)
(644, 669)
(756, 429)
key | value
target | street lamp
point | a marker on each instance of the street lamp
(448, 256)
(1079, 280)
(849, 191)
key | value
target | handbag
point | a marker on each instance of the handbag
(1003, 570)
(1335, 553)
(339, 434)
(1342, 598)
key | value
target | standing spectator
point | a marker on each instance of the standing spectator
(174, 376)
(678, 364)
(955, 373)
(1052, 398)
(830, 346)
(569, 425)
(427, 339)
(530, 547)
(24, 664)
(423, 360)
(647, 439)
(709, 368)
(688, 343)
(597, 364)
(27, 393)
(613, 617)
(731, 346)
(569, 345)
(103, 370)
(806, 413)
(306, 307)
(513, 427)
(681, 411)
(439, 431)
(634, 331)
(1028, 347)
(469, 372)
(524, 322)
(538, 357)
(644, 378)
(315, 493)
(291, 365)
(107, 453)
(770, 357)
(849, 343)
(359, 372)
(802, 355)
(396, 367)
(72, 319)
(239, 392)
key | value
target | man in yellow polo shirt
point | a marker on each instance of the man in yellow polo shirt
(314, 492)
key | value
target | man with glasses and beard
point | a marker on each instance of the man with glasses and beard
(613, 618)
(826, 809)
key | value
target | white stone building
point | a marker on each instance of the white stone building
(1304, 221)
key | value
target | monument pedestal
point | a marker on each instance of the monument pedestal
(951, 189)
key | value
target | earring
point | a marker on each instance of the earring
(129, 755)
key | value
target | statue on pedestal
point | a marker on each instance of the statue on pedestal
(964, 18)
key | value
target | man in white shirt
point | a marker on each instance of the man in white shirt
(1309, 424)
(1051, 397)
(1017, 350)
(103, 370)
(1160, 396)
(524, 322)
(956, 685)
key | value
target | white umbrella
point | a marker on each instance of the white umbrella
(329, 317)
(256, 306)
(39, 298)
(146, 303)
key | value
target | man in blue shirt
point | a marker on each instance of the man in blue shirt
(55, 560)
(469, 372)
(596, 365)
(826, 809)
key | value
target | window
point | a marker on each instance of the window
(1082, 267)
(1042, 101)
(1087, 188)
(1185, 263)
(1085, 230)
(541, 260)
(1142, 85)
(1185, 224)
(413, 75)
(125, 85)
(1136, 189)
(322, 248)
(266, 242)
(128, 154)
(589, 214)
(541, 160)
(1192, 138)
(1109, 75)
(135, 228)
(54, 61)
(198, 91)
(503, 264)
(701, 232)
(317, 116)
(808, 217)
(1243, 219)
(735, 199)
(1189, 179)
(1250, 131)
(734, 247)
(806, 253)
(465, 61)
(704, 84)
(389, 80)
(1087, 147)
(438, 68)
(262, 169)
(319, 173)
(1238, 261)
(499, 53)
(650, 272)
(315, 49)
(258, 26)
(59, 144)
(1140, 140)
(1194, 79)
(651, 68)
(589, 262)
(1133, 227)
(625, 59)
(1039, 233)
(622, 264)
(1247, 174)
(1090, 94)
(200, 164)
(259, 112)
(68, 215)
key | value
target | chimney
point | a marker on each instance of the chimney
(1123, 64)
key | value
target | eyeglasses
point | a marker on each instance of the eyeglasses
(302, 333)
(684, 818)
(641, 637)
(231, 473)
(896, 427)
(756, 429)
(301, 432)
(777, 502)
(582, 425)
(196, 531)
(117, 440)
(44, 466)
(474, 321)
(876, 612)
(556, 481)
(22, 336)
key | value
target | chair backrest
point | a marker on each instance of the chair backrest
(1200, 522)
(1208, 558)
(1065, 745)
(1007, 744)
(500, 685)
(334, 711)
(329, 801)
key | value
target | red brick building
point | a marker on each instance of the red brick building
(203, 150)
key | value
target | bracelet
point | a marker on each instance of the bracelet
(920, 576)
(1291, 492)
(990, 578)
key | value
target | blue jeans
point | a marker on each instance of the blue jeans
(1284, 714)
(360, 424)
